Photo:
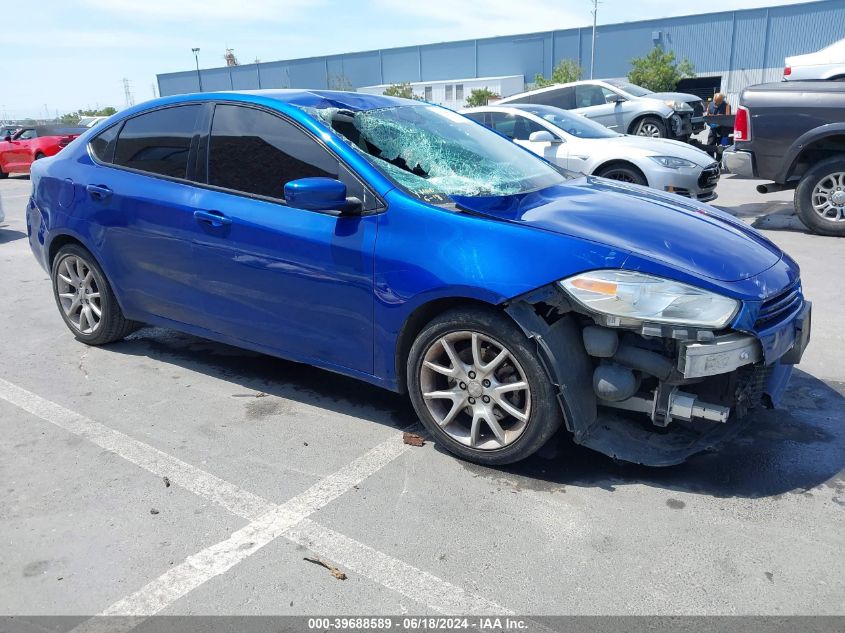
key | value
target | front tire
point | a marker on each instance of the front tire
(479, 388)
(85, 299)
(651, 126)
(40, 155)
(623, 173)
(820, 198)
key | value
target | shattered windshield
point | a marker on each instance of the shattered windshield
(435, 153)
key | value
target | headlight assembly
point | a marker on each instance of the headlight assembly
(644, 298)
(672, 162)
(679, 106)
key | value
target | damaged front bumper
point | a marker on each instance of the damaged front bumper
(657, 394)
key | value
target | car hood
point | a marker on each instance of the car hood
(674, 96)
(657, 147)
(665, 228)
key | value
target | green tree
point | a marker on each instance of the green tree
(566, 71)
(73, 117)
(659, 71)
(480, 97)
(403, 90)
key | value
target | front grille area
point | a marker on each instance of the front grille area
(780, 306)
(709, 176)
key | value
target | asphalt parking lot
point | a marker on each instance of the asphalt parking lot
(167, 474)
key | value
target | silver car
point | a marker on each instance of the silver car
(606, 104)
(581, 145)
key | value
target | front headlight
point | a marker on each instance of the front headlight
(679, 106)
(672, 162)
(641, 297)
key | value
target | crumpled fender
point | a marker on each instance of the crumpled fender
(562, 353)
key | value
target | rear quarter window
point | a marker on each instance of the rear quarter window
(102, 146)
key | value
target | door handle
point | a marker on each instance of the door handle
(98, 192)
(214, 218)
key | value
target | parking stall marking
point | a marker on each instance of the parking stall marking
(236, 500)
(268, 521)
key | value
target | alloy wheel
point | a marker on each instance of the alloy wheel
(475, 390)
(828, 197)
(649, 129)
(78, 294)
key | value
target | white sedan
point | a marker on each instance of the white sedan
(828, 63)
(578, 144)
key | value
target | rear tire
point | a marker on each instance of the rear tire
(85, 299)
(487, 397)
(650, 126)
(623, 172)
(820, 198)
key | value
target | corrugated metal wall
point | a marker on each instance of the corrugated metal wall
(744, 46)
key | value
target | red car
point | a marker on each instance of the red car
(18, 150)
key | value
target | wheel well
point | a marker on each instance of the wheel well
(636, 122)
(414, 324)
(815, 152)
(57, 243)
(620, 163)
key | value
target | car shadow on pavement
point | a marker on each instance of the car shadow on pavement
(796, 447)
(10, 235)
(247, 370)
(792, 449)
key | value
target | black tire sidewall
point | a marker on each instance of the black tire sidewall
(804, 194)
(640, 179)
(546, 416)
(109, 310)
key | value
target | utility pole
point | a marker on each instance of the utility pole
(127, 93)
(595, 12)
(196, 53)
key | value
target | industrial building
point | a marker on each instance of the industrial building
(730, 50)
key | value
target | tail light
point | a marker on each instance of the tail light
(787, 71)
(742, 124)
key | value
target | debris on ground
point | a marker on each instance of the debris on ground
(260, 394)
(334, 570)
(413, 439)
(166, 481)
(153, 511)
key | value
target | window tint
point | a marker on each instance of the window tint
(587, 95)
(561, 98)
(514, 126)
(102, 145)
(258, 153)
(158, 142)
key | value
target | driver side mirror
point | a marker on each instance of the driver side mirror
(8, 138)
(543, 136)
(321, 194)
(614, 98)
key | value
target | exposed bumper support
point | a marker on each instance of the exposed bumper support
(720, 356)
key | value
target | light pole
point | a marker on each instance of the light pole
(593, 49)
(196, 52)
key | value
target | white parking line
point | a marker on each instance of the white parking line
(201, 483)
(438, 594)
(267, 522)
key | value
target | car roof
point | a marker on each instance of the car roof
(553, 87)
(354, 101)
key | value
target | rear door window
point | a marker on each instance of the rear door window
(158, 142)
(102, 146)
(560, 98)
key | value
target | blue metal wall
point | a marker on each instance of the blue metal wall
(714, 43)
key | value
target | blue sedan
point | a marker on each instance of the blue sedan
(410, 247)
